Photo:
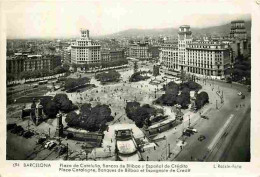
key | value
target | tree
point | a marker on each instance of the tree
(110, 76)
(26, 75)
(63, 103)
(72, 119)
(66, 67)
(91, 119)
(45, 72)
(183, 76)
(137, 76)
(10, 77)
(72, 84)
(201, 99)
(183, 99)
(51, 109)
(131, 107)
(58, 70)
(85, 109)
(140, 114)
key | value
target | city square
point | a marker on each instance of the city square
(180, 92)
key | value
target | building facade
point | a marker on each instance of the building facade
(238, 29)
(105, 56)
(208, 58)
(202, 57)
(117, 54)
(23, 62)
(85, 50)
(239, 42)
(169, 56)
(112, 55)
(66, 55)
(139, 51)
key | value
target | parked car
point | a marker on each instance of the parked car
(249, 88)
(239, 93)
(11, 126)
(201, 138)
(62, 150)
(191, 129)
(47, 144)
(17, 129)
(21, 133)
(204, 117)
(41, 140)
(28, 134)
(52, 145)
(186, 133)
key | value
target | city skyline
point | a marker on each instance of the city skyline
(64, 19)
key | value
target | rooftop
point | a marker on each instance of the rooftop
(238, 21)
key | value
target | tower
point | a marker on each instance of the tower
(84, 33)
(33, 111)
(238, 33)
(238, 29)
(184, 37)
(59, 128)
(39, 115)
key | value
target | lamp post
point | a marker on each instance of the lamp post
(189, 120)
(169, 149)
(165, 147)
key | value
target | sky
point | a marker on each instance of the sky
(30, 19)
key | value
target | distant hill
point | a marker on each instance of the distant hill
(214, 30)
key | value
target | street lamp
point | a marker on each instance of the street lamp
(189, 120)
(169, 149)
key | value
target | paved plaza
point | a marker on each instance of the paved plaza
(165, 146)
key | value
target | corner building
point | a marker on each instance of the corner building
(202, 57)
(85, 50)
(209, 58)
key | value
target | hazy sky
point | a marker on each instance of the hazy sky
(63, 18)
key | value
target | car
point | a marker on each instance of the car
(186, 133)
(62, 150)
(41, 140)
(11, 126)
(52, 145)
(17, 130)
(21, 133)
(28, 134)
(201, 138)
(204, 117)
(47, 144)
(239, 93)
(192, 130)
(249, 88)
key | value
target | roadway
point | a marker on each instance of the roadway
(221, 128)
